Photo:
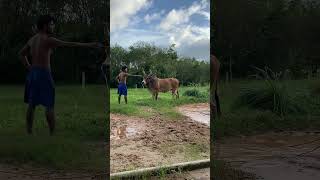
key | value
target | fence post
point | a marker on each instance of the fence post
(83, 80)
(227, 77)
(230, 69)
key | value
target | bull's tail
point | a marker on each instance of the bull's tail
(177, 94)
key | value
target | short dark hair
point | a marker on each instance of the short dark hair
(44, 20)
(124, 67)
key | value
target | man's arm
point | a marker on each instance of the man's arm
(53, 42)
(23, 56)
(127, 74)
(117, 78)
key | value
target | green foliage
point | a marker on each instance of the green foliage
(194, 93)
(164, 62)
(247, 120)
(273, 96)
(280, 34)
(82, 21)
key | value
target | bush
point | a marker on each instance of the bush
(194, 93)
(273, 96)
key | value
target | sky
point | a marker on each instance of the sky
(185, 23)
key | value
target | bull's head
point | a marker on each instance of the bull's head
(148, 79)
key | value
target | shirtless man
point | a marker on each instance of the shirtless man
(39, 89)
(122, 83)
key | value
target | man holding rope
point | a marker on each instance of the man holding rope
(39, 89)
(122, 83)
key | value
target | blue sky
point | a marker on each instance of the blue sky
(185, 23)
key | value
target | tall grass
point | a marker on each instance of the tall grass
(273, 96)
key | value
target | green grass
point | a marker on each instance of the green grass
(249, 120)
(141, 104)
(81, 127)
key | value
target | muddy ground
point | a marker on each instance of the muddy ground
(275, 156)
(26, 172)
(138, 142)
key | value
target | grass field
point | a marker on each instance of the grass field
(81, 124)
(140, 99)
(245, 120)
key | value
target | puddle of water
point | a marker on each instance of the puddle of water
(199, 117)
(269, 156)
(123, 132)
(276, 170)
(199, 113)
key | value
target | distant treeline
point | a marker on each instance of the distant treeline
(281, 34)
(164, 62)
(81, 20)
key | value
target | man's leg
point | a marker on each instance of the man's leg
(125, 99)
(29, 118)
(50, 119)
(119, 98)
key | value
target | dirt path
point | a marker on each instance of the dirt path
(138, 142)
(270, 156)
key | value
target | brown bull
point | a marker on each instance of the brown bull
(156, 85)
(215, 68)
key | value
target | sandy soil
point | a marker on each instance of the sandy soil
(138, 142)
(274, 156)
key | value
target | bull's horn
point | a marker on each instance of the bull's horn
(144, 73)
(150, 72)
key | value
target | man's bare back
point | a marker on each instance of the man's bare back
(122, 77)
(40, 50)
(40, 47)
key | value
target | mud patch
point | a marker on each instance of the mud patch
(26, 172)
(197, 112)
(155, 142)
(274, 155)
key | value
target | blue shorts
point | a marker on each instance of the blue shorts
(122, 89)
(39, 88)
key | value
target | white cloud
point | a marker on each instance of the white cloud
(128, 37)
(175, 27)
(190, 40)
(123, 11)
(199, 49)
(181, 16)
(155, 16)
(205, 14)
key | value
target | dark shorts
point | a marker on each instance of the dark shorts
(122, 89)
(39, 88)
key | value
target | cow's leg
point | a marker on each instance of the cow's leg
(177, 94)
(156, 95)
(172, 93)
